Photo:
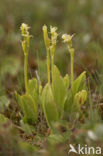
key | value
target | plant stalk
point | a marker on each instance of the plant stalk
(72, 70)
(48, 65)
(52, 63)
(25, 72)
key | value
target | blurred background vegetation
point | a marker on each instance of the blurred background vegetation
(84, 18)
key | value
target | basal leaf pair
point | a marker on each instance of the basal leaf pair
(53, 97)
(28, 102)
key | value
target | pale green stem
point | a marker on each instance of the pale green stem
(52, 63)
(25, 72)
(48, 65)
(72, 70)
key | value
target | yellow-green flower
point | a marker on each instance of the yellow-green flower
(26, 38)
(54, 35)
(67, 38)
(24, 29)
(53, 30)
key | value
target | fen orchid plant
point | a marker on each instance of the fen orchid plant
(28, 101)
(60, 95)
(25, 45)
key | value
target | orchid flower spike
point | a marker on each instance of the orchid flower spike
(24, 29)
(54, 35)
(67, 38)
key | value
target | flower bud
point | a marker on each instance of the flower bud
(46, 38)
(81, 97)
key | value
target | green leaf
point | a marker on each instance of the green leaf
(28, 105)
(78, 85)
(32, 84)
(59, 89)
(69, 102)
(33, 89)
(4, 103)
(29, 108)
(49, 106)
(66, 81)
